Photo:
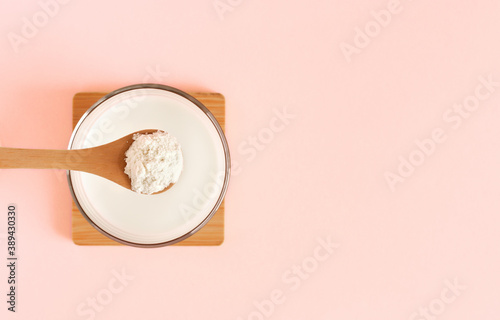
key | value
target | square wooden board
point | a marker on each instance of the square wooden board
(212, 234)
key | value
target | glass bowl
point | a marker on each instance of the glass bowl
(169, 217)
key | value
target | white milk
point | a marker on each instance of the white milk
(148, 219)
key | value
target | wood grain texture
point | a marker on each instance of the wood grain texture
(212, 234)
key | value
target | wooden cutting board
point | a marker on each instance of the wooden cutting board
(212, 234)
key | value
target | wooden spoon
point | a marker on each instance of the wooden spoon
(107, 161)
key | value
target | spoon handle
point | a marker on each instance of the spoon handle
(14, 158)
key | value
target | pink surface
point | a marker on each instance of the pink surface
(360, 87)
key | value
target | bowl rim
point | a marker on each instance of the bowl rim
(217, 126)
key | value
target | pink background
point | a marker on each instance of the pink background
(321, 175)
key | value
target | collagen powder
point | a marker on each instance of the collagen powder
(154, 161)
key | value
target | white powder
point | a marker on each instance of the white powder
(154, 161)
